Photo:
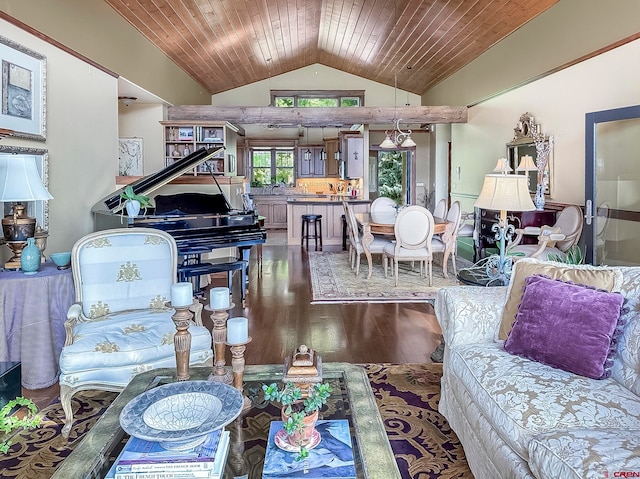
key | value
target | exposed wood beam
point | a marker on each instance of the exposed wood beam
(319, 116)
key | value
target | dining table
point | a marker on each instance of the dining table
(383, 222)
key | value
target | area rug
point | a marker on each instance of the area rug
(333, 280)
(407, 396)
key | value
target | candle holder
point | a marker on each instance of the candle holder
(182, 340)
(237, 365)
(219, 317)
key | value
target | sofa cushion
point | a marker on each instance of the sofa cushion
(609, 279)
(566, 326)
(581, 453)
(522, 398)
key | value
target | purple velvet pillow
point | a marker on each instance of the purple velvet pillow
(566, 326)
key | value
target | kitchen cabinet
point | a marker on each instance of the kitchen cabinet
(273, 208)
(312, 167)
(331, 167)
(353, 156)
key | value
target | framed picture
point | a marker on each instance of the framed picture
(130, 157)
(36, 209)
(215, 166)
(22, 90)
(185, 134)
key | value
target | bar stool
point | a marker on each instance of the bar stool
(307, 220)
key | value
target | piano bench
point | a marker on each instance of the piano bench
(217, 265)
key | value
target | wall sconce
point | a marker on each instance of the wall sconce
(127, 100)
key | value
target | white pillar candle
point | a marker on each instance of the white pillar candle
(219, 298)
(181, 294)
(237, 330)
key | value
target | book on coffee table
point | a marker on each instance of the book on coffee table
(141, 459)
(332, 457)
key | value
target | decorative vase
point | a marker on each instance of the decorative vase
(133, 208)
(30, 257)
(539, 198)
(303, 437)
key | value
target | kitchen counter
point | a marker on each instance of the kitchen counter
(331, 209)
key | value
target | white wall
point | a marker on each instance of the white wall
(559, 103)
(143, 121)
(82, 132)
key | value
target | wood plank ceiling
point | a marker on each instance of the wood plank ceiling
(414, 44)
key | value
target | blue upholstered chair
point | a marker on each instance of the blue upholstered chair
(120, 325)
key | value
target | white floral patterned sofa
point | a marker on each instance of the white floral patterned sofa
(120, 325)
(518, 418)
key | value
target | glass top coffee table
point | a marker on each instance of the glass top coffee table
(351, 399)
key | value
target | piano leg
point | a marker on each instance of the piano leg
(245, 252)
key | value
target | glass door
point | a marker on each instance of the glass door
(612, 189)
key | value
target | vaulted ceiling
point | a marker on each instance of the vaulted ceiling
(414, 44)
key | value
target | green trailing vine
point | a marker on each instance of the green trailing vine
(10, 422)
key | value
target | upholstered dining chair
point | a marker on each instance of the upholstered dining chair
(355, 240)
(383, 203)
(440, 211)
(445, 243)
(413, 231)
(120, 324)
(555, 240)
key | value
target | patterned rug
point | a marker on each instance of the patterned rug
(333, 281)
(407, 397)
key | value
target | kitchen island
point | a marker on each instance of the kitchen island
(331, 209)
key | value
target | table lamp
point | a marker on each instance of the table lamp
(526, 165)
(502, 166)
(19, 182)
(504, 193)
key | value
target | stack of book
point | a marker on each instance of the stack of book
(142, 459)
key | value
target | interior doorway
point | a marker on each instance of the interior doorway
(392, 174)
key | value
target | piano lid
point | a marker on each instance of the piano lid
(150, 183)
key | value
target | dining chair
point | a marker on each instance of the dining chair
(383, 203)
(413, 232)
(120, 324)
(556, 239)
(446, 242)
(355, 240)
(440, 211)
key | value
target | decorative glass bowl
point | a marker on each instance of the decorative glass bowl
(180, 415)
(61, 260)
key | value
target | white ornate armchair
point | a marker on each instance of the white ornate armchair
(555, 240)
(120, 325)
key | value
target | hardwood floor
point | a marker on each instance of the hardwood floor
(281, 318)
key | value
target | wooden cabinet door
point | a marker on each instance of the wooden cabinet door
(279, 215)
(305, 167)
(331, 165)
(355, 157)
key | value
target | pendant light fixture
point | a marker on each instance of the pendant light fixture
(307, 154)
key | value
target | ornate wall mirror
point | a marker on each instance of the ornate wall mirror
(529, 141)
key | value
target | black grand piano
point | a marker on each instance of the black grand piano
(199, 222)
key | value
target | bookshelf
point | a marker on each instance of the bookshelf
(182, 138)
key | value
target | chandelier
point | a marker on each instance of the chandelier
(397, 138)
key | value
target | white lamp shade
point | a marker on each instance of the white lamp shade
(502, 166)
(408, 142)
(20, 180)
(505, 193)
(387, 143)
(526, 164)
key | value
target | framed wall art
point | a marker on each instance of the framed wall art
(22, 90)
(130, 157)
(35, 209)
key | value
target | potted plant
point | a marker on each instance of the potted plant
(299, 415)
(134, 202)
(10, 422)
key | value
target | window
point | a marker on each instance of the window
(317, 98)
(272, 165)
